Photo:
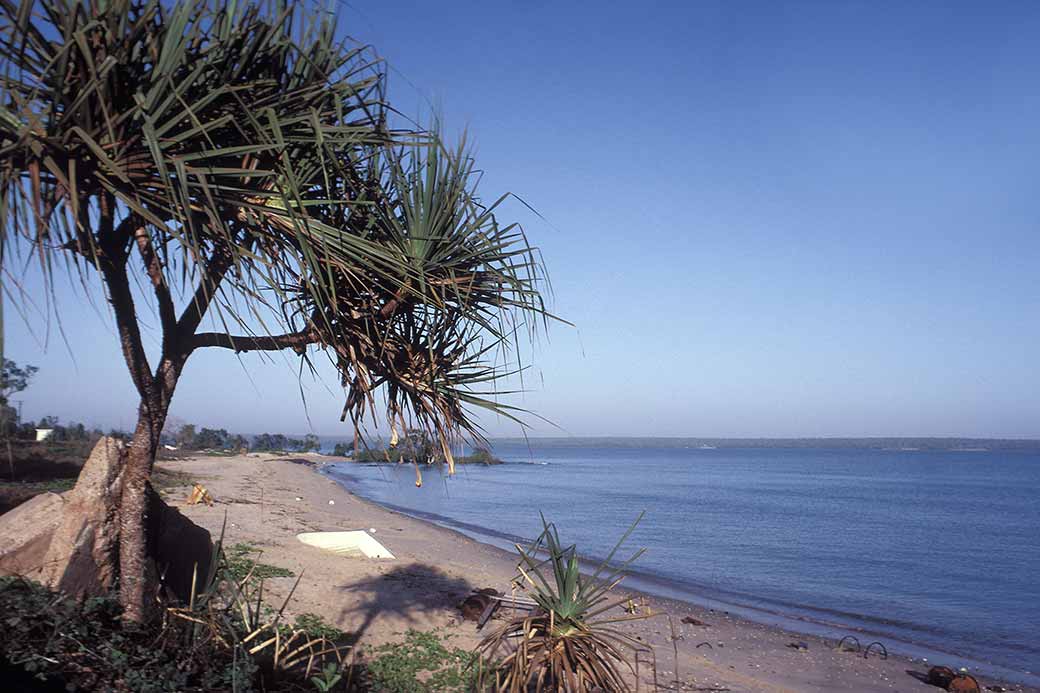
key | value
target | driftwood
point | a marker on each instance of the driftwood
(496, 601)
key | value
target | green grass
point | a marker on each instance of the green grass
(423, 662)
(242, 558)
(34, 487)
(13, 494)
(316, 627)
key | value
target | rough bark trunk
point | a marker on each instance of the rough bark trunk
(137, 584)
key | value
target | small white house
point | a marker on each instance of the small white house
(43, 434)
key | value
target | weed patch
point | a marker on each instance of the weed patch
(423, 662)
(241, 562)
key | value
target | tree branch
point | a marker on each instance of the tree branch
(219, 263)
(297, 341)
(114, 240)
(167, 316)
(113, 269)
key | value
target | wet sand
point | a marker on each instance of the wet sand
(436, 568)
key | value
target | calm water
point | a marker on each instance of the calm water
(939, 549)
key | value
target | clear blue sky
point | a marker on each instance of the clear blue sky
(767, 219)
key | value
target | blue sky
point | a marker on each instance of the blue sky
(765, 219)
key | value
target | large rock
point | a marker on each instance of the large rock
(70, 542)
(83, 556)
(963, 683)
(25, 534)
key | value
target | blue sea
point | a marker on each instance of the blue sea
(931, 552)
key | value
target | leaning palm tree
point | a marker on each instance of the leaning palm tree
(240, 159)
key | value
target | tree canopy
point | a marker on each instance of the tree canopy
(242, 163)
(245, 156)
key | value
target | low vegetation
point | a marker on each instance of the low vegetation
(569, 643)
(49, 642)
(52, 643)
(422, 663)
(226, 639)
(241, 562)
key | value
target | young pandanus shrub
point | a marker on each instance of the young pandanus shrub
(569, 642)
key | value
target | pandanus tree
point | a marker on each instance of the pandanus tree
(239, 162)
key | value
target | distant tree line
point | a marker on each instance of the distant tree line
(15, 378)
(276, 441)
(186, 436)
(414, 446)
(26, 430)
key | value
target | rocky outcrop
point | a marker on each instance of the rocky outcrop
(83, 555)
(25, 534)
(70, 541)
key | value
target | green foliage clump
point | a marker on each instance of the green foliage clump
(328, 677)
(13, 379)
(410, 451)
(240, 562)
(369, 455)
(276, 442)
(422, 663)
(570, 642)
(317, 627)
(51, 641)
(479, 456)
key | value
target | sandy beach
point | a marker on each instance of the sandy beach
(269, 499)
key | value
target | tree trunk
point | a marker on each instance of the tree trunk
(137, 583)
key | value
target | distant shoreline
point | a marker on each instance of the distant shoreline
(923, 444)
(879, 443)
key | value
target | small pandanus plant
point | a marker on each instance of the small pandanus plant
(569, 643)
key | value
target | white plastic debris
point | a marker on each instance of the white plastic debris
(346, 543)
(332, 502)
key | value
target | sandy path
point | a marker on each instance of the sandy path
(435, 568)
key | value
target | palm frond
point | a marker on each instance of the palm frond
(245, 144)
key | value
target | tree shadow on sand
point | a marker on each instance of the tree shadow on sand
(405, 592)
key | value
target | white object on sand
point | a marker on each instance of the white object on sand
(332, 502)
(346, 543)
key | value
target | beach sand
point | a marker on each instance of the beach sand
(436, 568)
